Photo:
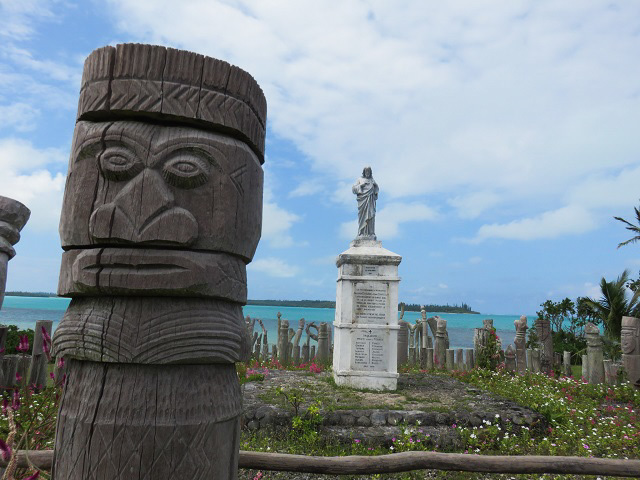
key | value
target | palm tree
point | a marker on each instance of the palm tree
(613, 305)
(630, 226)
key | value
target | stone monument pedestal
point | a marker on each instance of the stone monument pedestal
(365, 353)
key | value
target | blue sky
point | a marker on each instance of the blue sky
(504, 136)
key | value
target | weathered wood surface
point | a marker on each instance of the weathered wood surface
(184, 188)
(120, 421)
(543, 330)
(520, 341)
(13, 216)
(160, 330)
(162, 211)
(407, 461)
(162, 83)
(152, 272)
(38, 371)
(323, 343)
(4, 330)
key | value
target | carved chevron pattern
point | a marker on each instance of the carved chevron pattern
(180, 99)
(136, 95)
(92, 99)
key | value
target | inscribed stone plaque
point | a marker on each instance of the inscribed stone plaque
(368, 350)
(370, 270)
(370, 302)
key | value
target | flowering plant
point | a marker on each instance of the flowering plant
(29, 415)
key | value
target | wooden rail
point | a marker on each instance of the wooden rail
(406, 461)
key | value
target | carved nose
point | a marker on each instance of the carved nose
(144, 212)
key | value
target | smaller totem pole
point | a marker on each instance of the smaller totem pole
(595, 357)
(521, 344)
(13, 216)
(630, 343)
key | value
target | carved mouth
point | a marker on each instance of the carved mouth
(152, 272)
(128, 269)
(125, 268)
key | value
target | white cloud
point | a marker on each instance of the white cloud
(307, 188)
(326, 260)
(551, 224)
(55, 70)
(619, 190)
(473, 204)
(575, 290)
(276, 220)
(592, 291)
(26, 178)
(475, 260)
(17, 17)
(515, 102)
(19, 116)
(274, 267)
(389, 218)
(276, 223)
(443, 286)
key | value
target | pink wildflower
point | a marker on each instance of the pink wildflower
(5, 450)
(23, 345)
(32, 477)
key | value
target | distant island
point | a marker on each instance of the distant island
(30, 294)
(462, 308)
(409, 307)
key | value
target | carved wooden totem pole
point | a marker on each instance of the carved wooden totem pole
(13, 216)
(162, 211)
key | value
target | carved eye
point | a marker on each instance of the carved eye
(118, 163)
(186, 170)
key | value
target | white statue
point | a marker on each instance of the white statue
(366, 190)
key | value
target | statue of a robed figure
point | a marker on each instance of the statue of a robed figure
(366, 190)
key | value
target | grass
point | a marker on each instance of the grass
(585, 420)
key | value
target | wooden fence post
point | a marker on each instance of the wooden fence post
(39, 360)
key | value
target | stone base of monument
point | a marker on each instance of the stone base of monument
(365, 350)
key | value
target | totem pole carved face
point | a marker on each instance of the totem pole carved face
(441, 327)
(630, 336)
(592, 334)
(163, 200)
(154, 185)
(543, 329)
(165, 188)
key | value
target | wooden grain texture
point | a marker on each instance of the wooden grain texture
(13, 217)
(4, 330)
(148, 422)
(38, 373)
(4, 261)
(162, 211)
(126, 184)
(407, 461)
(174, 85)
(158, 330)
(152, 272)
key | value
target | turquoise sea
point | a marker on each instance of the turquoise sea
(24, 311)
